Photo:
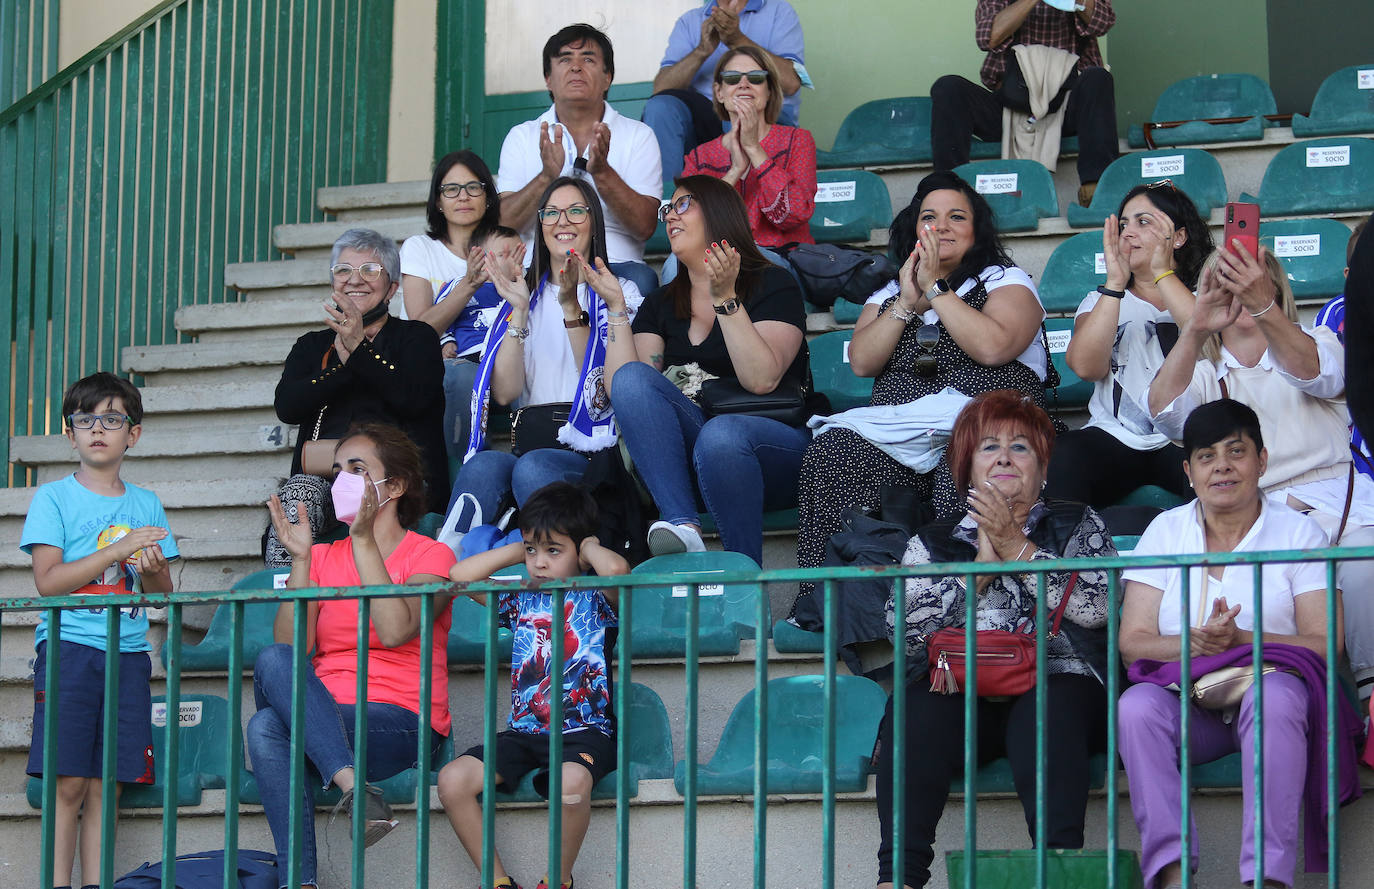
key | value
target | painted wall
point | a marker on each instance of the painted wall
(85, 24)
(410, 134)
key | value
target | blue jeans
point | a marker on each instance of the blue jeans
(392, 738)
(459, 375)
(490, 475)
(742, 465)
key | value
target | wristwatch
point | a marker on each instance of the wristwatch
(729, 307)
(581, 320)
(939, 288)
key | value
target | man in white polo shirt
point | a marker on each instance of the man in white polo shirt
(581, 134)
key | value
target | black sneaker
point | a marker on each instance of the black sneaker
(379, 820)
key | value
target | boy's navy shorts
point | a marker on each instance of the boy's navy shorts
(519, 753)
(81, 713)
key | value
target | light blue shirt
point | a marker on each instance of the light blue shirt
(772, 24)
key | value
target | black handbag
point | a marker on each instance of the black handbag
(1014, 92)
(786, 403)
(830, 271)
(536, 426)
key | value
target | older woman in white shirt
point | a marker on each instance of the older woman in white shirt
(1244, 342)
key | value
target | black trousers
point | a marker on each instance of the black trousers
(1091, 466)
(1077, 721)
(961, 109)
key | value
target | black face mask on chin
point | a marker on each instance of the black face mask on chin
(375, 313)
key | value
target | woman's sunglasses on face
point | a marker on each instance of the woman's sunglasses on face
(730, 78)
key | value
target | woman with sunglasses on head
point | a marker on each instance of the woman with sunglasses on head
(737, 317)
(772, 166)
(961, 315)
(1154, 248)
(365, 367)
(546, 347)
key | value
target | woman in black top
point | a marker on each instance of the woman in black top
(735, 316)
(365, 367)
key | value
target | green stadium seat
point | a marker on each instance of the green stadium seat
(1152, 495)
(1125, 543)
(467, 637)
(1344, 104)
(891, 131)
(1224, 772)
(1074, 270)
(212, 652)
(727, 611)
(1072, 392)
(796, 721)
(1193, 170)
(200, 756)
(850, 204)
(1330, 175)
(1211, 96)
(1020, 192)
(794, 640)
(651, 749)
(1312, 252)
(773, 520)
(831, 371)
(845, 312)
(429, 524)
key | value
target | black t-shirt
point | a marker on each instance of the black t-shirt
(776, 297)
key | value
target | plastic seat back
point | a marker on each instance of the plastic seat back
(467, 636)
(1344, 104)
(1073, 392)
(1330, 175)
(796, 728)
(726, 611)
(1074, 269)
(1196, 99)
(1193, 170)
(212, 651)
(883, 131)
(850, 204)
(831, 371)
(1020, 192)
(1312, 252)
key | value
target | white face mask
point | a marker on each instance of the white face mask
(347, 494)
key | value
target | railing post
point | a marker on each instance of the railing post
(46, 865)
(109, 760)
(1113, 680)
(297, 797)
(624, 729)
(233, 755)
(1333, 692)
(171, 766)
(358, 827)
(425, 743)
(899, 680)
(828, 743)
(1185, 761)
(1257, 705)
(971, 730)
(1042, 693)
(761, 738)
(689, 826)
(489, 744)
(557, 667)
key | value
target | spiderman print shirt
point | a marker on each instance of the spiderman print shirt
(589, 630)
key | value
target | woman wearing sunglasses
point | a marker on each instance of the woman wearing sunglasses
(772, 166)
(545, 353)
(961, 315)
(365, 367)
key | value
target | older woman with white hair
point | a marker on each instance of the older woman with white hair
(365, 367)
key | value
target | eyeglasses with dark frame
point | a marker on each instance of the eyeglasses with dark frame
(370, 271)
(679, 206)
(577, 214)
(1162, 183)
(475, 189)
(927, 337)
(757, 76)
(106, 421)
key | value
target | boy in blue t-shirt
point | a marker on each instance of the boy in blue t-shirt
(90, 534)
(558, 524)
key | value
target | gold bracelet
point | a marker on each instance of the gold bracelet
(1163, 276)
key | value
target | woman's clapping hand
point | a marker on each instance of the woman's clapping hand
(722, 269)
(510, 284)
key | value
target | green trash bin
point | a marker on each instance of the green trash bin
(1065, 869)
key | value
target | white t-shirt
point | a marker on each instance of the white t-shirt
(1120, 403)
(425, 257)
(551, 372)
(634, 155)
(993, 277)
(1179, 531)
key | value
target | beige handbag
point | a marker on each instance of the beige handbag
(317, 454)
(1222, 689)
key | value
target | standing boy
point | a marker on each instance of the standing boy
(558, 524)
(90, 534)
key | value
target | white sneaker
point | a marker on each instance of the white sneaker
(665, 537)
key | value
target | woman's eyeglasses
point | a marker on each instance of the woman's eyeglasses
(678, 206)
(453, 189)
(106, 421)
(577, 214)
(1162, 183)
(927, 336)
(342, 271)
(730, 78)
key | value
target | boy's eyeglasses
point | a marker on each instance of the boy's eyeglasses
(927, 336)
(453, 189)
(678, 206)
(730, 78)
(370, 271)
(577, 214)
(107, 421)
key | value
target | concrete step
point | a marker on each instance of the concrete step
(236, 363)
(264, 276)
(240, 321)
(169, 455)
(314, 241)
(366, 203)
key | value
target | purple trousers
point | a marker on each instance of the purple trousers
(1148, 719)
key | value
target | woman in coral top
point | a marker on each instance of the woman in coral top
(772, 166)
(378, 490)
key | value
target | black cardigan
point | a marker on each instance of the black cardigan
(396, 378)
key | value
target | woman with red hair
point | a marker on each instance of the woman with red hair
(998, 455)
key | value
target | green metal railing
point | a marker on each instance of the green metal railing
(633, 586)
(28, 46)
(131, 178)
